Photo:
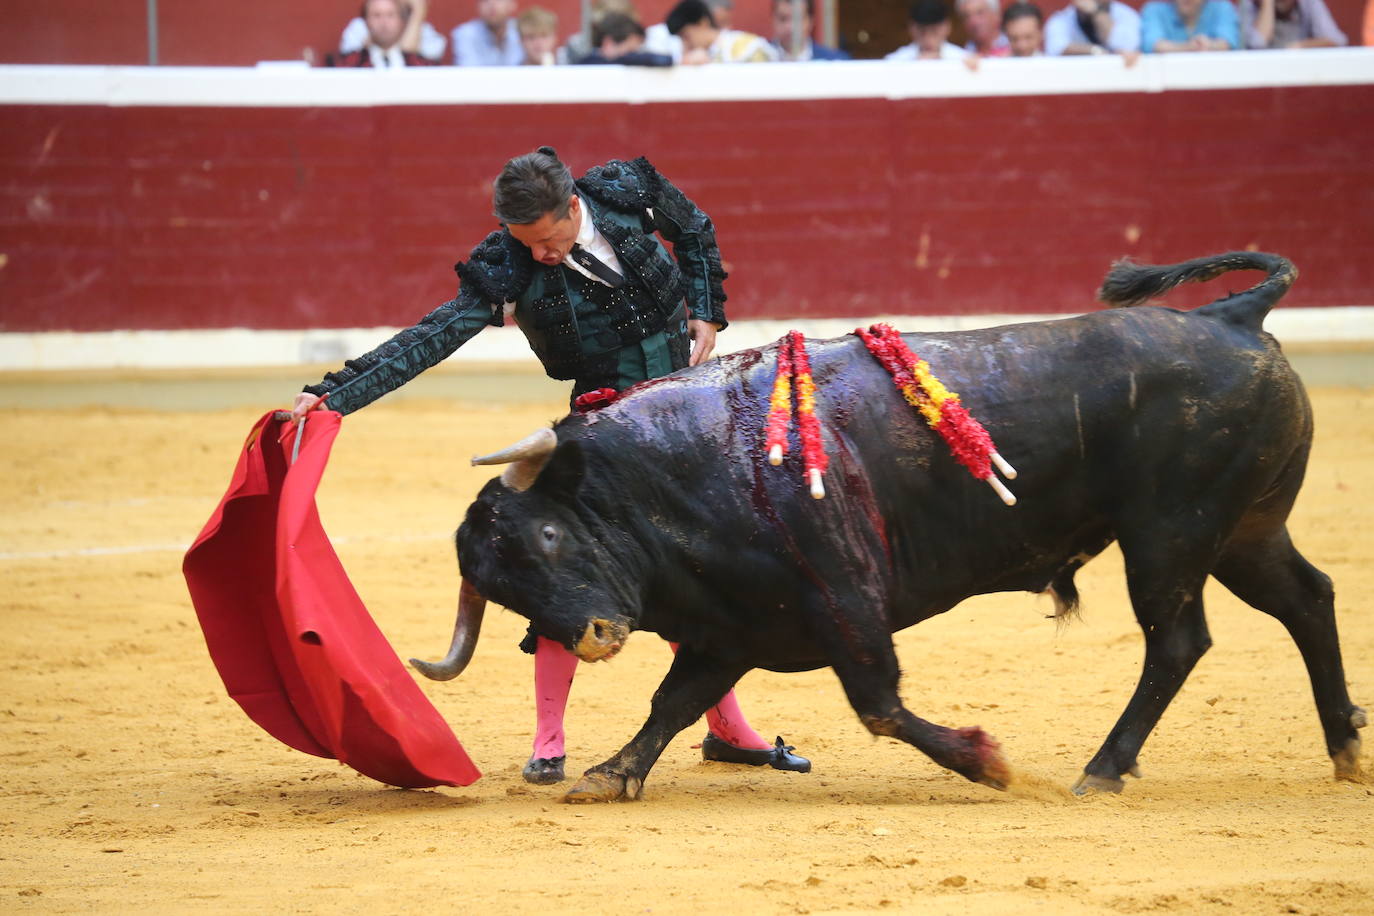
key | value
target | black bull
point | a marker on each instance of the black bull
(1181, 435)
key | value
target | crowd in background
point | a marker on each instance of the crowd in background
(397, 33)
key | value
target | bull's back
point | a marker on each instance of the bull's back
(1093, 411)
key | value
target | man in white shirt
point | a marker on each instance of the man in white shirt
(928, 24)
(385, 21)
(983, 25)
(418, 36)
(1093, 27)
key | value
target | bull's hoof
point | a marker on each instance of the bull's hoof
(598, 786)
(1347, 763)
(544, 771)
(983, 762)
(996, 772)
(1090, 783)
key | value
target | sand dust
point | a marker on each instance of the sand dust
(131, 783)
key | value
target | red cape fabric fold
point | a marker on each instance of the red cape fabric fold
(289, 635)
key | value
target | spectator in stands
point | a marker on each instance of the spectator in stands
(928, 24)
(783, 11)
(1175, 26)
(386, 23)
(982, 21)
(705, 42)
(1093, 27)
(620, 40)
(1023, 24)
(418, 36)
(1289, 24)
(579, 45)
(723, 12)
(490, 40)
(538, 29)
(659, 40)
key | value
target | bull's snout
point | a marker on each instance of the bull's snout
(602, 639)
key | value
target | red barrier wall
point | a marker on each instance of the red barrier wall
(344, 217)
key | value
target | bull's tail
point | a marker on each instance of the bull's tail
(1128, 283)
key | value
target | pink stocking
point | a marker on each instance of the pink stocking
(554, 669)
(726, 721)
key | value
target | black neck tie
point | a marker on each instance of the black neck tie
(596, 267)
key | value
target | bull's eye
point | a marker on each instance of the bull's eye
(549, 536)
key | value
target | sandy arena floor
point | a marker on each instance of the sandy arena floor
(131, 783)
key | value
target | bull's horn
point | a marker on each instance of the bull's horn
(471, 606)
(526, 457)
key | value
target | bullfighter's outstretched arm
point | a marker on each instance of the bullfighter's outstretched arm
(496, 273)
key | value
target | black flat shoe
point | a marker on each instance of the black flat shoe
(779, 756)
(544, 771)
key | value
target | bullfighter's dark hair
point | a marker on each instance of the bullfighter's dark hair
(688, 12)
(928, 12)
(616, 26)
(1021, 10)
(532, 185)
(810, 6)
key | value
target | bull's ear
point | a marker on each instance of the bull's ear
(563, 474)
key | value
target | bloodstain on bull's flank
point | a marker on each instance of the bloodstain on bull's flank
(857, 491)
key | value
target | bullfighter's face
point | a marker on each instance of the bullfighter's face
(549, 238)
(534, 552)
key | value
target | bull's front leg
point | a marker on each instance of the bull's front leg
(693, 685)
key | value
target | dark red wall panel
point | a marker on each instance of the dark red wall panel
(333, 217)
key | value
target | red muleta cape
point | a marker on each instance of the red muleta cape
(290, 637)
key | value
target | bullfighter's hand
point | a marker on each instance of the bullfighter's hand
(305, 402)
(703, 334)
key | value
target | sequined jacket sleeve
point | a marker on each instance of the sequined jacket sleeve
(693, 237)
(638, 185)
(495, 274)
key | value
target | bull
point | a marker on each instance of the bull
(1182, 436)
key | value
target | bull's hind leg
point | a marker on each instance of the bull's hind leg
(693, 685)
(1270, 575)
(1165, 580)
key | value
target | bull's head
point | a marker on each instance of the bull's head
(530, 544)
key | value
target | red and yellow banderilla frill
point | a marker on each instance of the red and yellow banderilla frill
(794, 372)
(968, 441)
